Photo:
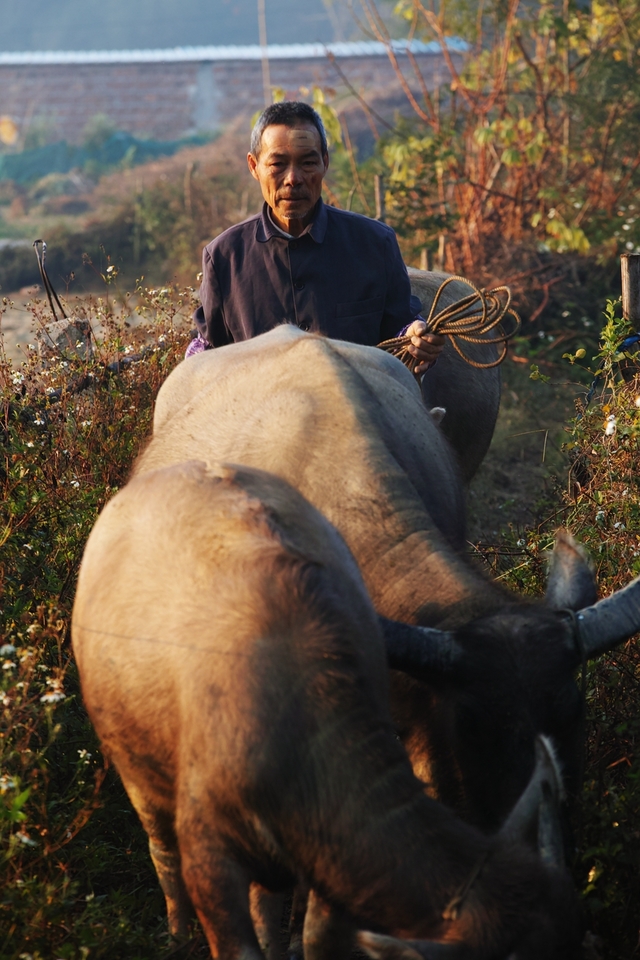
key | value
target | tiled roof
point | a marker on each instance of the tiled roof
(294, 51)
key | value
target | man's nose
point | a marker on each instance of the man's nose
(294, 175)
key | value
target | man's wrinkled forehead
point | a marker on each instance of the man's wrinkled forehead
(300, 139)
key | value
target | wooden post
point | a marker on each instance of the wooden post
(378, 183)
(630, 270)
(424, 259)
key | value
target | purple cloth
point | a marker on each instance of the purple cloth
(197, 345)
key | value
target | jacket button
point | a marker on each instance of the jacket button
(299, 286)
(304, 325)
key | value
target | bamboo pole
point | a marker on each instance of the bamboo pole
(630, 270)
(266, 73)
(378, 183)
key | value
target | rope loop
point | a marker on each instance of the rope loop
(468, 320)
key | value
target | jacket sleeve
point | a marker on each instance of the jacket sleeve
(209, 318)
(397, 306)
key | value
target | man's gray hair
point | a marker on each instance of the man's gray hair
(289, 113)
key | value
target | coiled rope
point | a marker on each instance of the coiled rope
(469, 319)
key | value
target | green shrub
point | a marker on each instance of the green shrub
(75, 876)
(600, 504)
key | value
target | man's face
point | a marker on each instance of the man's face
(290, 171)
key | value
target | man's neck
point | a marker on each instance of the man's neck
(292, 228)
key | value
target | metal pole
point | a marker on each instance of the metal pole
(630, 270)
(262, 30)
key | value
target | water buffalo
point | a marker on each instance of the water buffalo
(347, 427)
(234, 668)
(470, 396)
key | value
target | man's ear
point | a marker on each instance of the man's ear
(253, 163)
(325, 160)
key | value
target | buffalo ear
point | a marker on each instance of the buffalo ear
(379, 947)
(571, 584)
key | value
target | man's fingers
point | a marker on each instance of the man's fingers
(426, 348)
(416, 329)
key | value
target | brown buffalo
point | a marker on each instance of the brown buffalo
(234, 668)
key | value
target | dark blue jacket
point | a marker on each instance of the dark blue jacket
(344, 277)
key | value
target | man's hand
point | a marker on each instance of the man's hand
(426, 347)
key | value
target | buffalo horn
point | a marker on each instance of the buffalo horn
(550, 845)
(610, 621)
(420, 650)
(538, 802)
(379, 947)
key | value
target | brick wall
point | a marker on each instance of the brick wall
(168, 100)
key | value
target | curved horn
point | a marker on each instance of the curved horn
(390, 948)
(420, 650)
(542, 795)
(550, 844)
(610, 621)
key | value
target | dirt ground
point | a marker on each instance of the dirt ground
(16, 324)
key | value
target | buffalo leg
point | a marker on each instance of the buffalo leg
(328, 933)
(219, 890)
(179, 910)
(296, 922)
(164, 852)
(266, 913)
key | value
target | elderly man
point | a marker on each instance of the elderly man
(301, 262)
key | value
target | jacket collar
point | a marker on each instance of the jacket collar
(265, 229)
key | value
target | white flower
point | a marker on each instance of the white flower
(600, 516)
(8, 665)
(17, 377)
(39, 422)
(7, 649)
(55, 694)
(75, 483)
(610, 426)
(86, 423)
(619, 526)
(522, 543)
(162, 338)
(84, 755)
(52, 696)
(29, 443)
(26, 839)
